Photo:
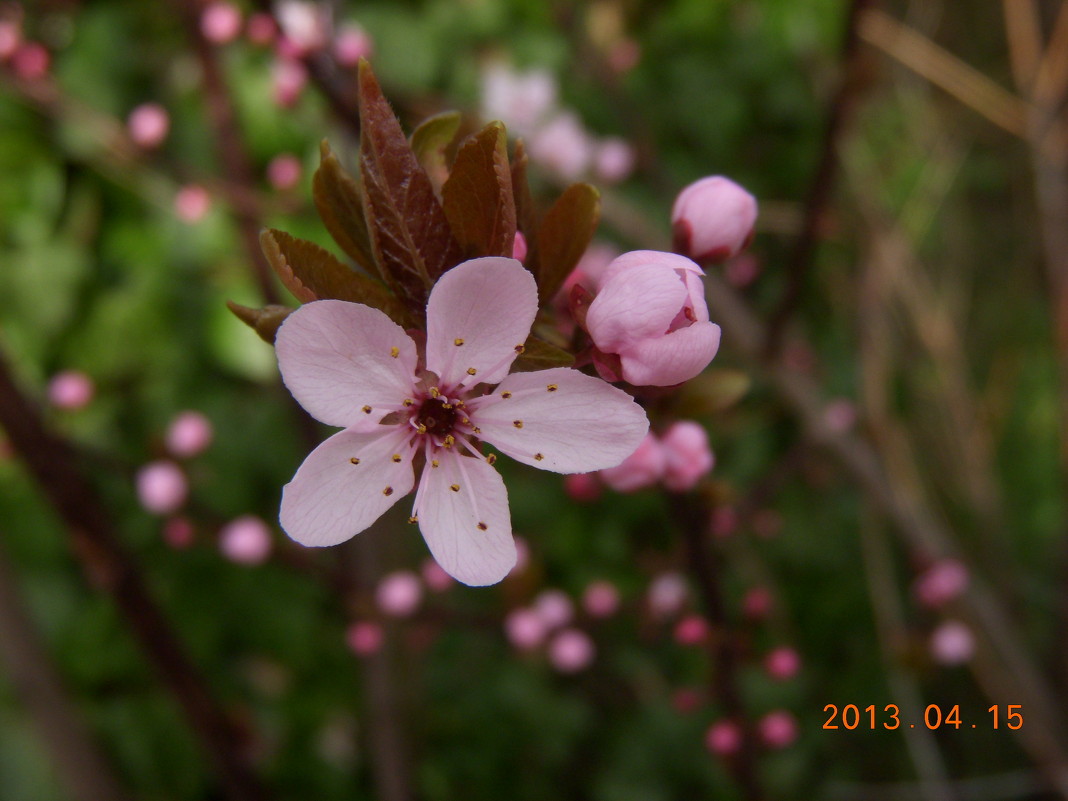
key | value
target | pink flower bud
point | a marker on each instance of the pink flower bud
(952, 644)
(941, 583)
(189, 434)
(667, 594)
(525, 629)
(757, 603)
(192, 203)
(713, 219)
(723, 738)
(289, 77)
(554, 608)
(31, 61)
(10, 39)
(284, 171)
(643, 468)
(582, 487)
(520, 100)
(563, 146)
(399, 594)
(436, 579)
(178, 532)
(519, 247)
(688, 457)
(303, 24)
(778, 729)
(220, 22)
(71, 390)
(261, 29)
(246, 540)
(148, 125)
(613, 160)
(651, 312)
(161, 487)
(601, 599)
(571, 651)
(364, 638)
(782, 663)
(351, 44)
(691, 630)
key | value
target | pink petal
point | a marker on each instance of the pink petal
(479, 312)
(331, 498)
(337, 358)
(672, 358)
(640, 258)
(635, 306)
(468, 530)
(568, 422)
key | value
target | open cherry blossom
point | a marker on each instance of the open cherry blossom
(351, 366)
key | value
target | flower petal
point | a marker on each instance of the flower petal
(638, 258)
(479, 312)
(635, 305)
(672, 358)
(337, 358)
(463, 514)
(560, 420)
(346, 484)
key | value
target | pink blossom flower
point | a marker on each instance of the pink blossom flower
(723, 738)
(71, 390)
(302, 24)
(582, 487)
(952, 644)
(941, 583)
(571, 651)
(31, 61)
(778, 729)
(148, 125)
(351, 44)
(161, 487)
(613, 160)
(667, 594)
(651, 311)
(261, 29)
(713, 219)
(601, 599)
(643, 468)
(246, 540)
(192, 203)
(399, 594)
(220, 22)
(189, 434)
(364, 637)
(520, 100)
(554, 608)
(10, 38)
(563, 146)
(687, 455)
(284, 170)
(782, 663)
(350, 365)
(525, 629)
(691, 630)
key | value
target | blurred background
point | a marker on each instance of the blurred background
(884, 524)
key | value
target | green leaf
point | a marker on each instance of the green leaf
(712, 392)
(429, 140)
(540, 355)
(263, 321)
(477, 197)
(564, 235)
(338, 199)
(409, 231)
(311, 273)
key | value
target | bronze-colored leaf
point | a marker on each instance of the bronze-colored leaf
(409, 232)
(340, 204)
(540, 355)
(713, 391)
(263, 321)
(311, 273)
(429, 140)
(564, 235)
(477, 197)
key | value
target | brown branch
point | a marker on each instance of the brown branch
(76, 759)
(846, 97)
(54, 465)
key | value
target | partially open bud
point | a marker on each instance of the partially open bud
(713, 219)
(651, 312)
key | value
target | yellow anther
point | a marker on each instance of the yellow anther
(471, 371)
(517, 423)
(491, 459)
(387, 491)
(477, 430)
(408, 402)
(506, 394)
(552, 387)
(394, 352)
(366, 409)
(446, 406)
(421, 428)
(354, 460)
(413, 519)
(538, 457)
(396, 457)
(519, 348)
(434, 392)
(449, 441)
(454, 487)
(457, 342)
(435, 463)
(466, 421)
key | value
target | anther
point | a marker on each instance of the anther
(366, 409)
(449, 441)
(519, 348)
(413, 519)
(552, 387)
(538, 457)
(446, 406)
(454, 487)
(435, 463)
(506, 394)
(396, 457)
(517, 423)
(354, 460)
(491, 459)
(477, 430)
(409, 402)
(457, 342)
(482, 526)
(434, 392)
(421, 428)
(471, 371)
(387, 491)
(394, 352)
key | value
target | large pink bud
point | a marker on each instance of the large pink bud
(651, 312)
(713, 219)
(687, 455)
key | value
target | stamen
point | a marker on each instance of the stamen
(413, 519)
(434, 392)
(457, 342)
(491, 459)
(517, 423)
(506, 395)
(394, 352)
(420, 428)
(354, 460)
(552, 387)
(449, 441)
(387, 491)
(471, 371)
(366, 409)
(519, 349)
(538, 457)
(482, 526)
(396, 457)
(454, 487)
(409, 402)
(435, 463)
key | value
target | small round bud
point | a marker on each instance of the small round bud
(71, 390)
(571, 651)
(399, 594)
(713, 219)
(246, 540)
(161, 487)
